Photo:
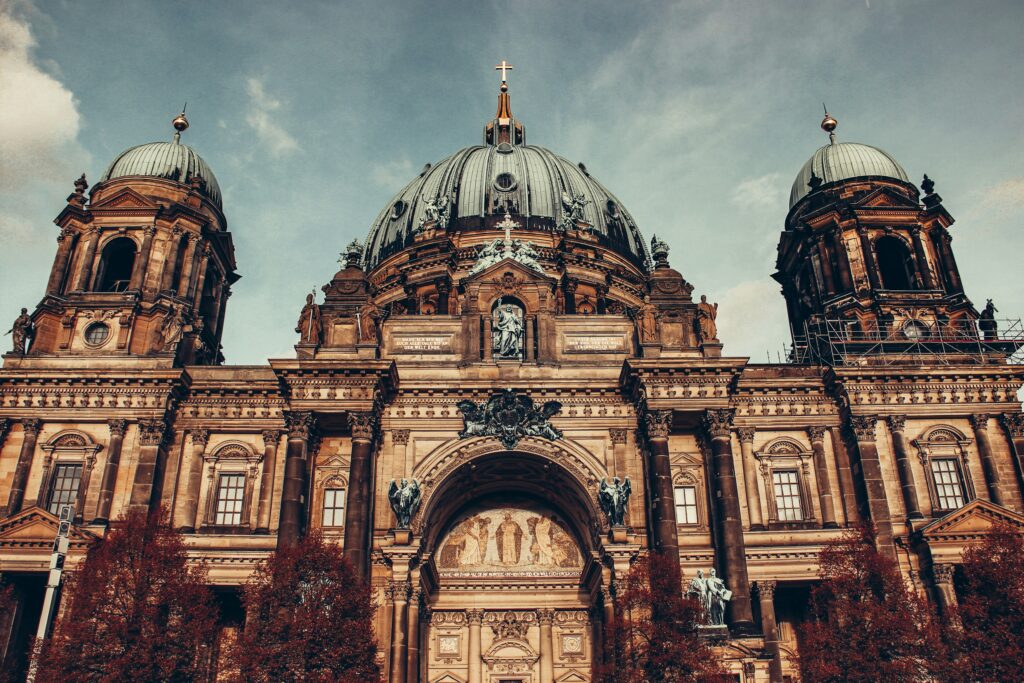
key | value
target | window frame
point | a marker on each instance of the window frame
(72, 493)
(943, 442)
(676, 489)
(787, 455)
(65, 448)
(336, 509)
(230, 458)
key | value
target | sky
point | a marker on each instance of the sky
(697, 115)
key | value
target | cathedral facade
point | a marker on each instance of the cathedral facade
(506, 395)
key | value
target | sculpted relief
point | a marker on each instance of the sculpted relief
(509, 540)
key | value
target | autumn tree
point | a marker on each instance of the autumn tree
(985, 639)
(654, 637)
(865, 624)
(308, 618)
(136, 610)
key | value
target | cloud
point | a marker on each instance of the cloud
(752, 320)
(392, 175)
(765, 192)
(39, 119)
(262, 108)
(1006, 198)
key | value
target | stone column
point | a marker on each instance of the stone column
(200, 269)
(413, 641)
(766, 595)
(84, 276)
(846, 487)
(746, 436)
(863, 429)
(271, 438)
(952, 271)
(609, 640)
(903, 465)
(360, 495)
(188, 501)
(826, 264)
(293, 493)
(65, 240)
(546, 617)
(988, 459)
(528, 338)
(828, 507)
(181, 287)
(475, 618)
(444, 288)
(842, 260)
(942, 576)
(151, 439)
(717, 426)
(922, 258)
(173, 247)
(1013, 423)
(109, 481)
(570, 295)
(399, 626)
(30, 426)
(869, 258)
(138, 278)
(83, 486)
(658, 423)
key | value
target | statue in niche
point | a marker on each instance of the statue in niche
(366, 320)
(706, 316)
(172, 328)
(559, 301)
(507, 328)
(510, 539)
(22, 331)
(614, 497)
(987, 321)
(647, 321)
(405, 500)
(712, 594)
(310, 325)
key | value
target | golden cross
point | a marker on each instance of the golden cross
(503, 68)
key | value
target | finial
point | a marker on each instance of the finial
(659, 251)
(828, 124)
(78, 196)
(180, 123)
(353, 254)
(504, 68)
(928, 185)
(815, 182)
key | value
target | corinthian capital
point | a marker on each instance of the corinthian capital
(863, 427)
(300, 424)
(152, 432)
(363, 425)
(746, 434)
(718, 423)
(896, 423)
(658, 423)
(1014, 423)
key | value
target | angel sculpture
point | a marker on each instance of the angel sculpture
(613, 498)
(436, 211)
(526, 254)
(475, 419)
(405, 500)
(572, 213)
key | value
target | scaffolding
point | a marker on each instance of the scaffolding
(845, 343)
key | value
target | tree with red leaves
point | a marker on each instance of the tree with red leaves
(985, 634)
(654, 637)
(865, 624)
(137, 611)
(308, 618)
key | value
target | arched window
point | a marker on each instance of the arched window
(943, 451)
(895, 264)
(116, 265)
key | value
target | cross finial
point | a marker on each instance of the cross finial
(504, 67)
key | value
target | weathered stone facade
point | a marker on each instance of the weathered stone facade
(507, 569)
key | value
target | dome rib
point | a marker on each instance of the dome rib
(844, 161)
(169, 160)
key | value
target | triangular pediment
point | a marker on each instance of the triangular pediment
(35, 527)
(448, 677)
(885, 197)
(973, 520)
(498, 269)
(573, 677)
(125, 199)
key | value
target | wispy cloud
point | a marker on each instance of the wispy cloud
(392, 175)
(262, 110)
(765, 192)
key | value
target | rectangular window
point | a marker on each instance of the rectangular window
(686, 504)
(949, 489)
(230, 496)
(334, 507)
(64, 490)
(787, 495)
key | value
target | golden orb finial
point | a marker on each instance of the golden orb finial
(180, 123)
(828, 124)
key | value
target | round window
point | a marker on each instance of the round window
(96, 334)
(505, 182)
(398, 209)
(613, 209)
(915, 329)
(504, 148)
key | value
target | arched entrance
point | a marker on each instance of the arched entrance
(511, 573)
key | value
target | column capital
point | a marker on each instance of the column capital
(766, 588)
(271, 437)
(546, 616)
(31, 426)
(746, 434)
(400, 437)
(979, 421)
(149, 231)
(863, 427)
(200, 437)
(475, 616)
(66, 231)
(618, 436)
(117, 427)
(363, 425)
(718, 423)
(1013, 422)
(300, 424)
(943, 573)
(152, 432)
(896, 423)
(658, 423)
(816, 433)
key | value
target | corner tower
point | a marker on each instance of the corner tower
(867, 268)
(143, 267)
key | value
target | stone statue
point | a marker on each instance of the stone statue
(510, 417)
(699, 589)
(172, 328)
(310, 325)
(559, 301)
(572, 212)
(987, 321)
(507, 328)
(647, 321)
(436, 210)
(706, 316)
(718, 595)
(454, 304)
(22, 331)
(526, 254)
(405, 500)
(366, 320)
(614, 497)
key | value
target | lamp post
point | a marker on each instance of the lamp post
(60, 551)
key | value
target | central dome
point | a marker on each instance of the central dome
(843, 161)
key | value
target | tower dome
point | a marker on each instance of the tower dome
(168, 160)
(842, 161)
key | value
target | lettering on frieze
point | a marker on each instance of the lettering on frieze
(423, 344)
(594, 344)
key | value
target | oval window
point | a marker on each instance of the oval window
(398, 209)
(613, 209)
(504, 148)
(505, 182)
(96, 334)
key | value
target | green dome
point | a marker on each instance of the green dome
(843, 161)
(169, 160)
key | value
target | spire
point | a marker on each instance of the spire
(180, 123)
(828, 124)
(504, 128)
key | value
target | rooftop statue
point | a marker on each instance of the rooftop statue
(437, 211)
(22, 331)
(706, 316)
(310, 325)
(712, 594)
(572, 213)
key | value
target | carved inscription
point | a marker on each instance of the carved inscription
(441, 343)
(594, 344)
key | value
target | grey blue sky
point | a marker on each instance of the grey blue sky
(698, 115)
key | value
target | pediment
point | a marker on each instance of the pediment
(36, 527)
(885, 197)
(573, 677)
(125, 199)
(973, 520)
(495, 272)
(448, 677)
(687, 459)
